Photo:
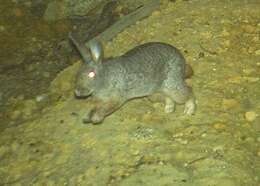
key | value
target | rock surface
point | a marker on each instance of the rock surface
(140, 144)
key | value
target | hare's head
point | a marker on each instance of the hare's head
(89, 74)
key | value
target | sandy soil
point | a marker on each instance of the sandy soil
(140, 144)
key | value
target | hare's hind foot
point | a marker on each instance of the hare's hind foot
(169, 105)
(183, 95)
(190, 106)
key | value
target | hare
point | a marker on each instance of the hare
(147, 69)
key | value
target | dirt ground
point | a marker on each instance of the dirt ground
(140, 144)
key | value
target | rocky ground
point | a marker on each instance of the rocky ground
(43, 141)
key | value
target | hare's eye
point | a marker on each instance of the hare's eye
(91, 74)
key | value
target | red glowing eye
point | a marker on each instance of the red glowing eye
(91, 74)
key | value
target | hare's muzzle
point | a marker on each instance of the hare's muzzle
(81, 94)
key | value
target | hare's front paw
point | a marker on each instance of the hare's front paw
(93, 117)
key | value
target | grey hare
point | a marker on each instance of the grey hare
(144, 70)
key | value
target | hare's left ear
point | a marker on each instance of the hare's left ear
(96, 50)
(83, 50)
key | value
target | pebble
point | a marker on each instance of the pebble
(18, 12)
(219, 126)
(226, 43)
(250, 116)
(182, 141)
(249, 28)
(235, 79)
(251, 79)
(248, 71)
(225, 33)
(251, 50)
(229, 104)
(136, 152)
(156, 13)
(206, 35)
(257, 52)
(219, 148)
(255, 39)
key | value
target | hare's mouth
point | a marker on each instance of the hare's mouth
(82, 95)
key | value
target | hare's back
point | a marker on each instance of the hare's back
(155, 50)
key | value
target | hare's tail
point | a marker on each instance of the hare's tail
(188, 71)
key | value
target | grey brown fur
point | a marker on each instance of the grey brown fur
(144, 70)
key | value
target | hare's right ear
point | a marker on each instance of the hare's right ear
(96, 50)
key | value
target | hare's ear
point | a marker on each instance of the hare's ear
(83, 50)
(96, 50)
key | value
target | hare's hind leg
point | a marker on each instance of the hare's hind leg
(185, 96)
